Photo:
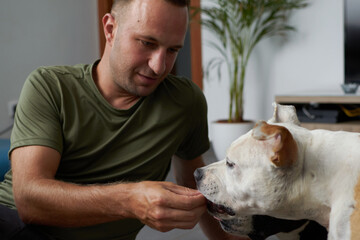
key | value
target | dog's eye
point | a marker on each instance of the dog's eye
(229, 163)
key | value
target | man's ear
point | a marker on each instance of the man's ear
(109, 24)
(280, 141)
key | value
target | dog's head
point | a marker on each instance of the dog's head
(254, 177)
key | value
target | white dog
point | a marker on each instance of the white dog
(285, 171)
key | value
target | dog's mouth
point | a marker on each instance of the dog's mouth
(220, 209)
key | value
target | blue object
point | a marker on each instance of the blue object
(4, 159)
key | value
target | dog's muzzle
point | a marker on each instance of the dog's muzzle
(213, 208)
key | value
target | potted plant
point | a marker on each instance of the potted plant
(239, 25)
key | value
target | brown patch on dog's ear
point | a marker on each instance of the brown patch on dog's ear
(283, 144)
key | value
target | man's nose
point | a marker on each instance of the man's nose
(158, 62)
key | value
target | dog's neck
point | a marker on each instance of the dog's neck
(305, 189)
(300, 202)
(313, 206)
(322, 185)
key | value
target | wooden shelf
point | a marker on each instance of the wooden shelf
(351, 126)
(328, 99)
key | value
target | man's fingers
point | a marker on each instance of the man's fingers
(165, 205)
(184, 198)
(175, 218)
(178, 215)
(182, 190)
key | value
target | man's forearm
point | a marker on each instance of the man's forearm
(159, 205)
(53, 202)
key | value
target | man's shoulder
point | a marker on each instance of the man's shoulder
(52, 80)
(76, 71)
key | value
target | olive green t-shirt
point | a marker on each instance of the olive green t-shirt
(60, 107)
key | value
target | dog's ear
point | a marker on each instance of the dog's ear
(282, 143)
(284, 113)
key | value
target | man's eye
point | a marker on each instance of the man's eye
(174, 50)
(146, 43)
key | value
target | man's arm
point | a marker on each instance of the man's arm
(184, 170)
(41, 199)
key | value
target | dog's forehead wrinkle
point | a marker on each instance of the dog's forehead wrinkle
(252, 153)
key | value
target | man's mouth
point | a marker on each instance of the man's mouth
(148, 77)
(218, 208)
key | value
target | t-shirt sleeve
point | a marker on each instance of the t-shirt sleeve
(37, 120)
(197, 140)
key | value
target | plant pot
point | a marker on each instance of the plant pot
(224, 133)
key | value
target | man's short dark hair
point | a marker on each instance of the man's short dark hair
(180, 3)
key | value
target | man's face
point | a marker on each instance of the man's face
(146, 42)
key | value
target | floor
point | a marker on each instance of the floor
(177, 234)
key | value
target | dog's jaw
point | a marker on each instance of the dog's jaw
(241, 226)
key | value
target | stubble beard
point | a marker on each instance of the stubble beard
(126, 85)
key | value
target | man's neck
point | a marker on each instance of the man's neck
(112, 93)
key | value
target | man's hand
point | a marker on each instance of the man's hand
(165, 205)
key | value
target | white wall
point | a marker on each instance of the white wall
(310, 59)
(34, 33)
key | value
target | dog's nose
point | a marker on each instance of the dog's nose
(198, 174)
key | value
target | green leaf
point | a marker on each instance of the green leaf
(240, 25)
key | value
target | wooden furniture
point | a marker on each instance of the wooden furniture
(324, 98)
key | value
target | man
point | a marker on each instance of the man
(91, 144)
